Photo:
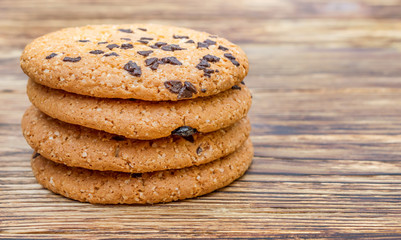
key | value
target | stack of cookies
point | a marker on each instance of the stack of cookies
(126, 114)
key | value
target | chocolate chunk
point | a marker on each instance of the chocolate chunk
(209, 42)
(52, 55)
(35, 155)
(152, 62)
(118, 138)
(199, 150)
(242, 82)
(211, 58)
(172, 47)
(159, 44)
(96, 52)
(208, 72)
(111, 54)
(222, 48)
(133, 69)
(111, 46)
(189, 139)
(125, 30)
(187, 90)
(70, 59)
(84, 40)
(126, 46)
(126, 39)
(170, 60)
(143, 29)
(153, 46)
(203, 64)
(146, 38)
(173, 86)
(180, 37)
(145, 53)
(184, 131)
(102, 43)
(231, 58)
(190, 41)
(143, 41)
(236, 87)
(203, 90)
(203, 45)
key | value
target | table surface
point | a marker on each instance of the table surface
(325, 77)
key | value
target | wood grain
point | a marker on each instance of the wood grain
(325, 77)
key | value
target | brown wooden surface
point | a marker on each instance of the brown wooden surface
(326, 123)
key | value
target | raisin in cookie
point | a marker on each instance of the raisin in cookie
(147, 62)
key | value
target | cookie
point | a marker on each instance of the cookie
(141, 61)
(143, 119)
(123, 188)
(78, 146)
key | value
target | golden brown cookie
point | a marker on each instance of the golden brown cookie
(141, 61)
(124, 188)
(143, 119)
(78, 146)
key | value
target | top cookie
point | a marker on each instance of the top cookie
(141, 61)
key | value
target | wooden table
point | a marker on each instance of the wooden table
(326, 119)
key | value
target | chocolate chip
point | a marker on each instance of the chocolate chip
(187, 90)
(133, 69)
(208, 72)
(211, 58)
(102, 43)
(126, 39)
(84, 40)
(118, 138)
(172, 47)
(199, 150)
(111, 46)
(173, 86)
(203, 90)
(125, 30)
(143, 29)
(222, 48)
(236, 87)
(143, 41)
(170, 60)
(184, 131)
(203, 64)
(146, 38)
(35, 155)
(190, 41)
(111, 54)
(153, 46)
(180, 37)
(209, 42)
(159, 44)
(150, 61)
(126, 46)
(145, 53)
(96, 52)
(202, 45)
(242, 82)
(70, 59)
(189, 139)
(52, 55)
(231, 58)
